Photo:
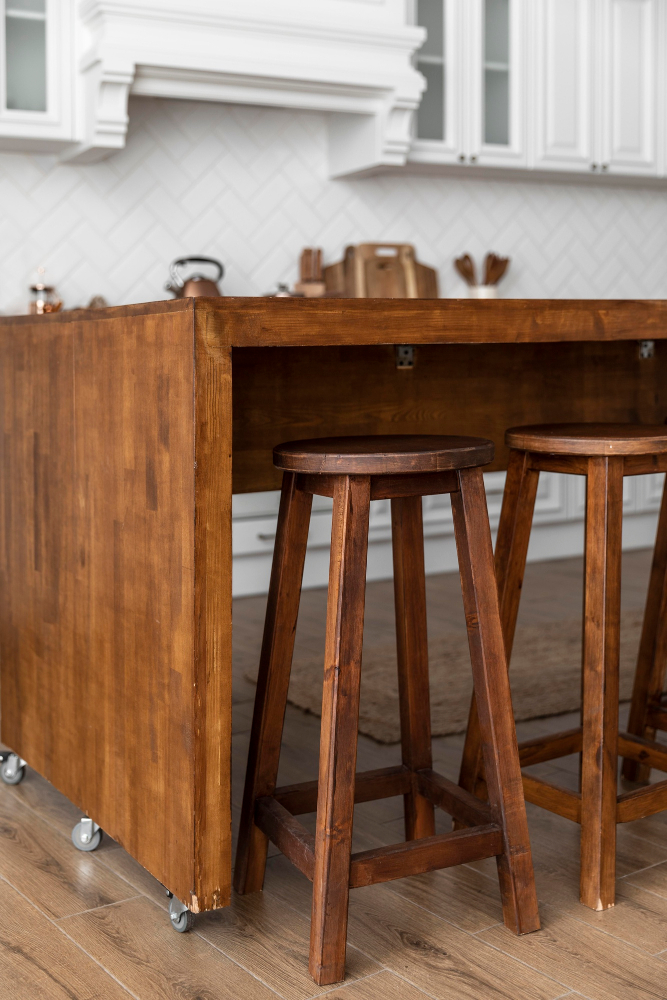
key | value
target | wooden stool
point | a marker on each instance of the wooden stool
(604, 453)
(354, 471)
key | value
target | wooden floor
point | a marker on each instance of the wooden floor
(79, 927)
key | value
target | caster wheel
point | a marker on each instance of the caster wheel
(180, 917)
(12, 771)
(183, 922)
(85, 840)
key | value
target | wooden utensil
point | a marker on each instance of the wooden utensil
(466, 268)
(494, 268)
(311, 279)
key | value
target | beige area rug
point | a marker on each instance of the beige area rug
(545, 677)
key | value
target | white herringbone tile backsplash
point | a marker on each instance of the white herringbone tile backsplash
(249, 185)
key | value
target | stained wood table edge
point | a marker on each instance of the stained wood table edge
(293, 322)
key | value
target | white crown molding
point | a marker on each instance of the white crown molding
(353, 60)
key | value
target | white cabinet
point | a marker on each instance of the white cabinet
(496, 86)
(632, 83)
(474, 62)
(552, 85)
(562, 100)
(74, 64)
(598, 86)
(438, 119)
(36, 74)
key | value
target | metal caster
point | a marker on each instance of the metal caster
(12, 770)
(181, 918)
(86, 835)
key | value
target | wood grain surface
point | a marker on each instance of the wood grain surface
(340, 725)
(115, 508)
(590, 439)
(423, 932)
(275, 663)
(412, 655)
(37, 961)
(116, 608)
(652, 658)
(299, 322)
(281, 394)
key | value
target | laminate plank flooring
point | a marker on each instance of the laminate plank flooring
(79, 927)
(38, 962)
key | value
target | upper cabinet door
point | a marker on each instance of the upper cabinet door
(438, 133)
(631, 86)
(562, 66)
(496, 111)
(35, 74)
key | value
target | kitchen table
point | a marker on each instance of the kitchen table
(125, 432)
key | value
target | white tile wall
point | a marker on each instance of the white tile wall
(249, 185)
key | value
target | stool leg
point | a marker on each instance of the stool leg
(412, 649)
(602, 607)
(273, 680)
(516, 519)
(652, 660)
(492, 691)
(338, 734)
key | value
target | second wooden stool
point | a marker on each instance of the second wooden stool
(355, 471)
(604, 454)
(648, 709)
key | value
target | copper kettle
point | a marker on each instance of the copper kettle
(195, 284)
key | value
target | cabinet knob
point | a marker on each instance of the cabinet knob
(473, 159)
(594, 166)
(605, 166)
(462, 158)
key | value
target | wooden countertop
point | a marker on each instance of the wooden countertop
(272, 322)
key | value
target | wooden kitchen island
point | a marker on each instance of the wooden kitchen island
(125, 432)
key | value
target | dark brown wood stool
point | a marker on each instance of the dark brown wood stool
(354, 471)
(604, 453)
(648, 709)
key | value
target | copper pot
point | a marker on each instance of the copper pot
(195, 284)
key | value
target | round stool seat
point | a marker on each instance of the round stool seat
(383, 454)
(590, 439)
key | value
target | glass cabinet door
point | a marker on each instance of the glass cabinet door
(496, 88)
(473, 109)
(497, 30)
(431, 123)
(437, 125)
(37, 74)
(25, 55)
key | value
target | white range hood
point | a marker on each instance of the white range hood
(350, 58)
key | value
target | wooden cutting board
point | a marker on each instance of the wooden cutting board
(383, 271)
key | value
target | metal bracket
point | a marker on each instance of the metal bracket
(176, 908)
(14, 763)
(646, 349)
(405, 356)
(88, 829)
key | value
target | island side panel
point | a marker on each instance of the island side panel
(110, 502)
(37, 543)
(213, 613)
(134, 596)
